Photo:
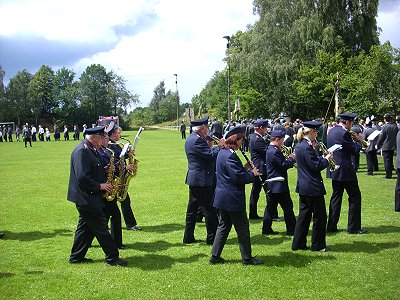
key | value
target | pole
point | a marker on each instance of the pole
(229, 78)
(177, 100)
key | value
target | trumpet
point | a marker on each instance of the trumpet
(286, 151)
(333, 165)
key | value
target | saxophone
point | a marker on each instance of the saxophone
(333, 165)
(110, 178)
(126, 176)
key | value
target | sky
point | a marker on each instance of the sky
(144, 41)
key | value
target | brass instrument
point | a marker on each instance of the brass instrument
(110, 177)
(332, 163)
(286, 151)
(251, 165)
(364, 144)
(124, 175)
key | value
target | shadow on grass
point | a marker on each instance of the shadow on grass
(153, 246)
(153, 262)
(365, 247)
(29, 236)
(6, 275)
(384, 229)
(164, 228)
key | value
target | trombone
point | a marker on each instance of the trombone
(333, 165)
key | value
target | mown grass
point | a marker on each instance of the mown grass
(39, 224)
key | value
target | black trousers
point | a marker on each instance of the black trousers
(28, 140)
(255, 195)
(93, 223)
(200, 197)
(388, 162)
(354, 217)
(284, 200)
(114, 216)
(127, 212)
(372, 162)
(310, 206)
(397, 192)
(241, 223)
(183, 133)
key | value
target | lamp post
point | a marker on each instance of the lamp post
(177, 100)
(229, 77)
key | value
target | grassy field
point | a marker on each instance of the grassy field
(39, 224)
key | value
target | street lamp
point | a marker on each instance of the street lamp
(229, 77)
(177, 99)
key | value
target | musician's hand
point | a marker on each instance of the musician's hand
(106, 187)
(256, 172)
(329, 156)
(221, 142)
(292, 155)
(130, 167)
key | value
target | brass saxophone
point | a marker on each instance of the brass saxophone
(333, 165)
(126, 176)
(110, 178)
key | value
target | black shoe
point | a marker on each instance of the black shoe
(117, 262)
(325, 249)
(135, 228)
(295, 249)
(216, 260)
(255, 217)
(278, 219)
(123, 247)
(332, 230)
(361, 231)
(269, 232)
(80, 261)
(2, 235)
(251, 261)
(290, 233)
(191, 241)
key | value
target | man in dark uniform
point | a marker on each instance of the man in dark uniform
(387, 142)
(129, 218)
(182, 129)
(277, 165)
(216, 128)
(258, 149)
(87, 183)
(370, 151)
(199, 177)
(345, 177)
(397, 190)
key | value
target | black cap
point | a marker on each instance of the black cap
(95, 130)
(277, 133)
(350, 117)
(388, 117)
(236, 130)
(261, 123)
(312, 124)
(203, 121)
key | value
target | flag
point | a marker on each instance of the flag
(237, 105)
(338, 105)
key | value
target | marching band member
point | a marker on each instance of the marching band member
(199, 178)
(230, 199)
(277, 165)
(345, 177)
(87, 182)
(311, 190)
(370, 151)
(129, 218)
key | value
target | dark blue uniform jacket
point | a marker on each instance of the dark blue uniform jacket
(200, 161)
(277, 165)
(231, 180)
(86, 174)
(309, 167)
(342, 157)
(258, 148)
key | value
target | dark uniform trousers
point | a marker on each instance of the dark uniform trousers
(284, 200)
(397, 192)
(92, 223)
(114, 215)
(255, 195)
(388, 162)
(310, 206)
(354, 217)
(372, 162)
(241, 223)
(127, 212)
(200, 197)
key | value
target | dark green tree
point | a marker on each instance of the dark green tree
(159, 95)
(121, 98)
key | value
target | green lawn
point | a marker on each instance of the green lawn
(39, 224)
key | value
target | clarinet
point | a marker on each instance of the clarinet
(251, 165)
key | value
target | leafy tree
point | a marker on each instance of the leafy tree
(40, 93)
(159, 95)
(121, 98)
(17, 96)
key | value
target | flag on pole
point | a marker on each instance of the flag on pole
(338, 105)
(237, 105)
